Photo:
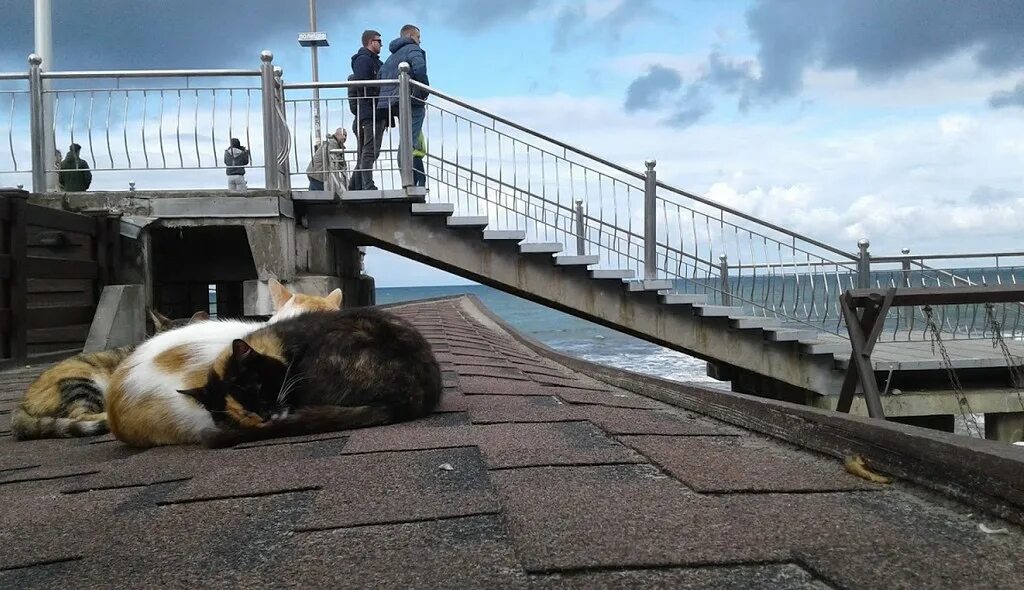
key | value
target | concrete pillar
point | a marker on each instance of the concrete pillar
(1005, 427)
(314, 252)
(273, 249)
(120, 319)
(358, 287)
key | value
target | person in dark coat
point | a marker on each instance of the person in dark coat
(369, 128)
(74, 175)
(406, 48)
(236, 157)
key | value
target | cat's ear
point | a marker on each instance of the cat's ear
(334, 299)
(279, 294)
(199, 316)
(161, 323)
(241, 350)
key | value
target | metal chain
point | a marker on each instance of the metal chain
(1012, 363)
(965, 407)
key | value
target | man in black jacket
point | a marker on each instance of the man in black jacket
(369, 128)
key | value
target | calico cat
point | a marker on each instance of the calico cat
(67, 399)
(319, 372)
(144, 407)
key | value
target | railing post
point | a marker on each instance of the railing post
(723, 272)
(581, 229)
(863, 264)
(906, 268)
(36, 123)
(269, 119)
(405, 137)
(282, 139)
(650, 222)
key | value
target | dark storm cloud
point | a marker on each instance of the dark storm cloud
(1008, 98)
(178, 34)
(649, 90)
(880, 39)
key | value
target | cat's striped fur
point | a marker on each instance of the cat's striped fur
(144, 405)
(67, 400)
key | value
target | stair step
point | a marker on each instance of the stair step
(446, 209)
(541, 248)
(684, 299)
(754, 322)
(516, 235)
(416, 191)
(651, 285)
(819, 347)
(468, 222)
(717, 311)
(789, 334)
(381, 196)
(579, 260)
(622, 274)
(313, 196)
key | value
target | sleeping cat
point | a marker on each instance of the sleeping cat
(319, 372)
(144, 407)
(67, 399)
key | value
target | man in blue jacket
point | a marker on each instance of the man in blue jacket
(369, 127)
(406, 48)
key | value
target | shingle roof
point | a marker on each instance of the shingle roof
(529, 475)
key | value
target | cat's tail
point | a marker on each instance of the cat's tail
(25, 426)
(308, 420)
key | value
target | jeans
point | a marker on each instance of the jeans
(419, 113)
(419, 173)
(315, 185)
(236, 182)
(368, 140)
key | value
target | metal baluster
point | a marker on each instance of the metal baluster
(10, 132)
(195, 131)
(160, 132)
(177, 133)
(124, 129)
(213, 128)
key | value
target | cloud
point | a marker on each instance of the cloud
(986, 194)
(692, 108)
(1008, 98)
(601, 22)
(647, 91)
(880, 39)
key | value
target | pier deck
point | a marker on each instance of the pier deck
(531, 474)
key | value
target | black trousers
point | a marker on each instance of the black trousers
(369, 137)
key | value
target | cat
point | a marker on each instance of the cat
(67, 400)
(319, 372)
(144, 407)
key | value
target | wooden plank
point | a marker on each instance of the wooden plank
(58, 285)
(16, 345)
(60, 268)
(54, 317)
(945, 295)
(35, 350)
(5, 320)
(5, 210)
(57, 219)
(5, 266)
(50, 243)
(62, 334)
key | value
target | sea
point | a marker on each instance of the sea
(570, 335)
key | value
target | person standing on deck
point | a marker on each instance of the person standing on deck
(406, 48)
(74, 175)
(235, 158)
(369, 127)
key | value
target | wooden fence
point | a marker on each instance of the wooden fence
(53, 267)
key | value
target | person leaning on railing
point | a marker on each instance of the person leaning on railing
(235, 158)
(74, 173)
(369, 128)
(327, 169)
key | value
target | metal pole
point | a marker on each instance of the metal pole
(404, 125)
(267, 94)
(316, 72)
(581, 229)
(723, 271)
(36, 133)
(650, 222)
(863, 264)
(44, 49)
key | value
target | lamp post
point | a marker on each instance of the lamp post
(314, 39)
(43, 30)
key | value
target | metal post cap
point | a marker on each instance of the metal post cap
(723, 257)
(34, 59)
(863, 243)
(650, 164)
(266, 56)
(278, 71)
(905, 250)
(404, 67)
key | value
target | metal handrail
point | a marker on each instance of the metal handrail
(13, 76)
(914, 257)
(345, 84)
(91, 74)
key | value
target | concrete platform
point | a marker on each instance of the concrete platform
(531, 474)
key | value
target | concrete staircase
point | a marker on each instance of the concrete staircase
(541, 272)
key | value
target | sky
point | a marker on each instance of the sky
(897, 120)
